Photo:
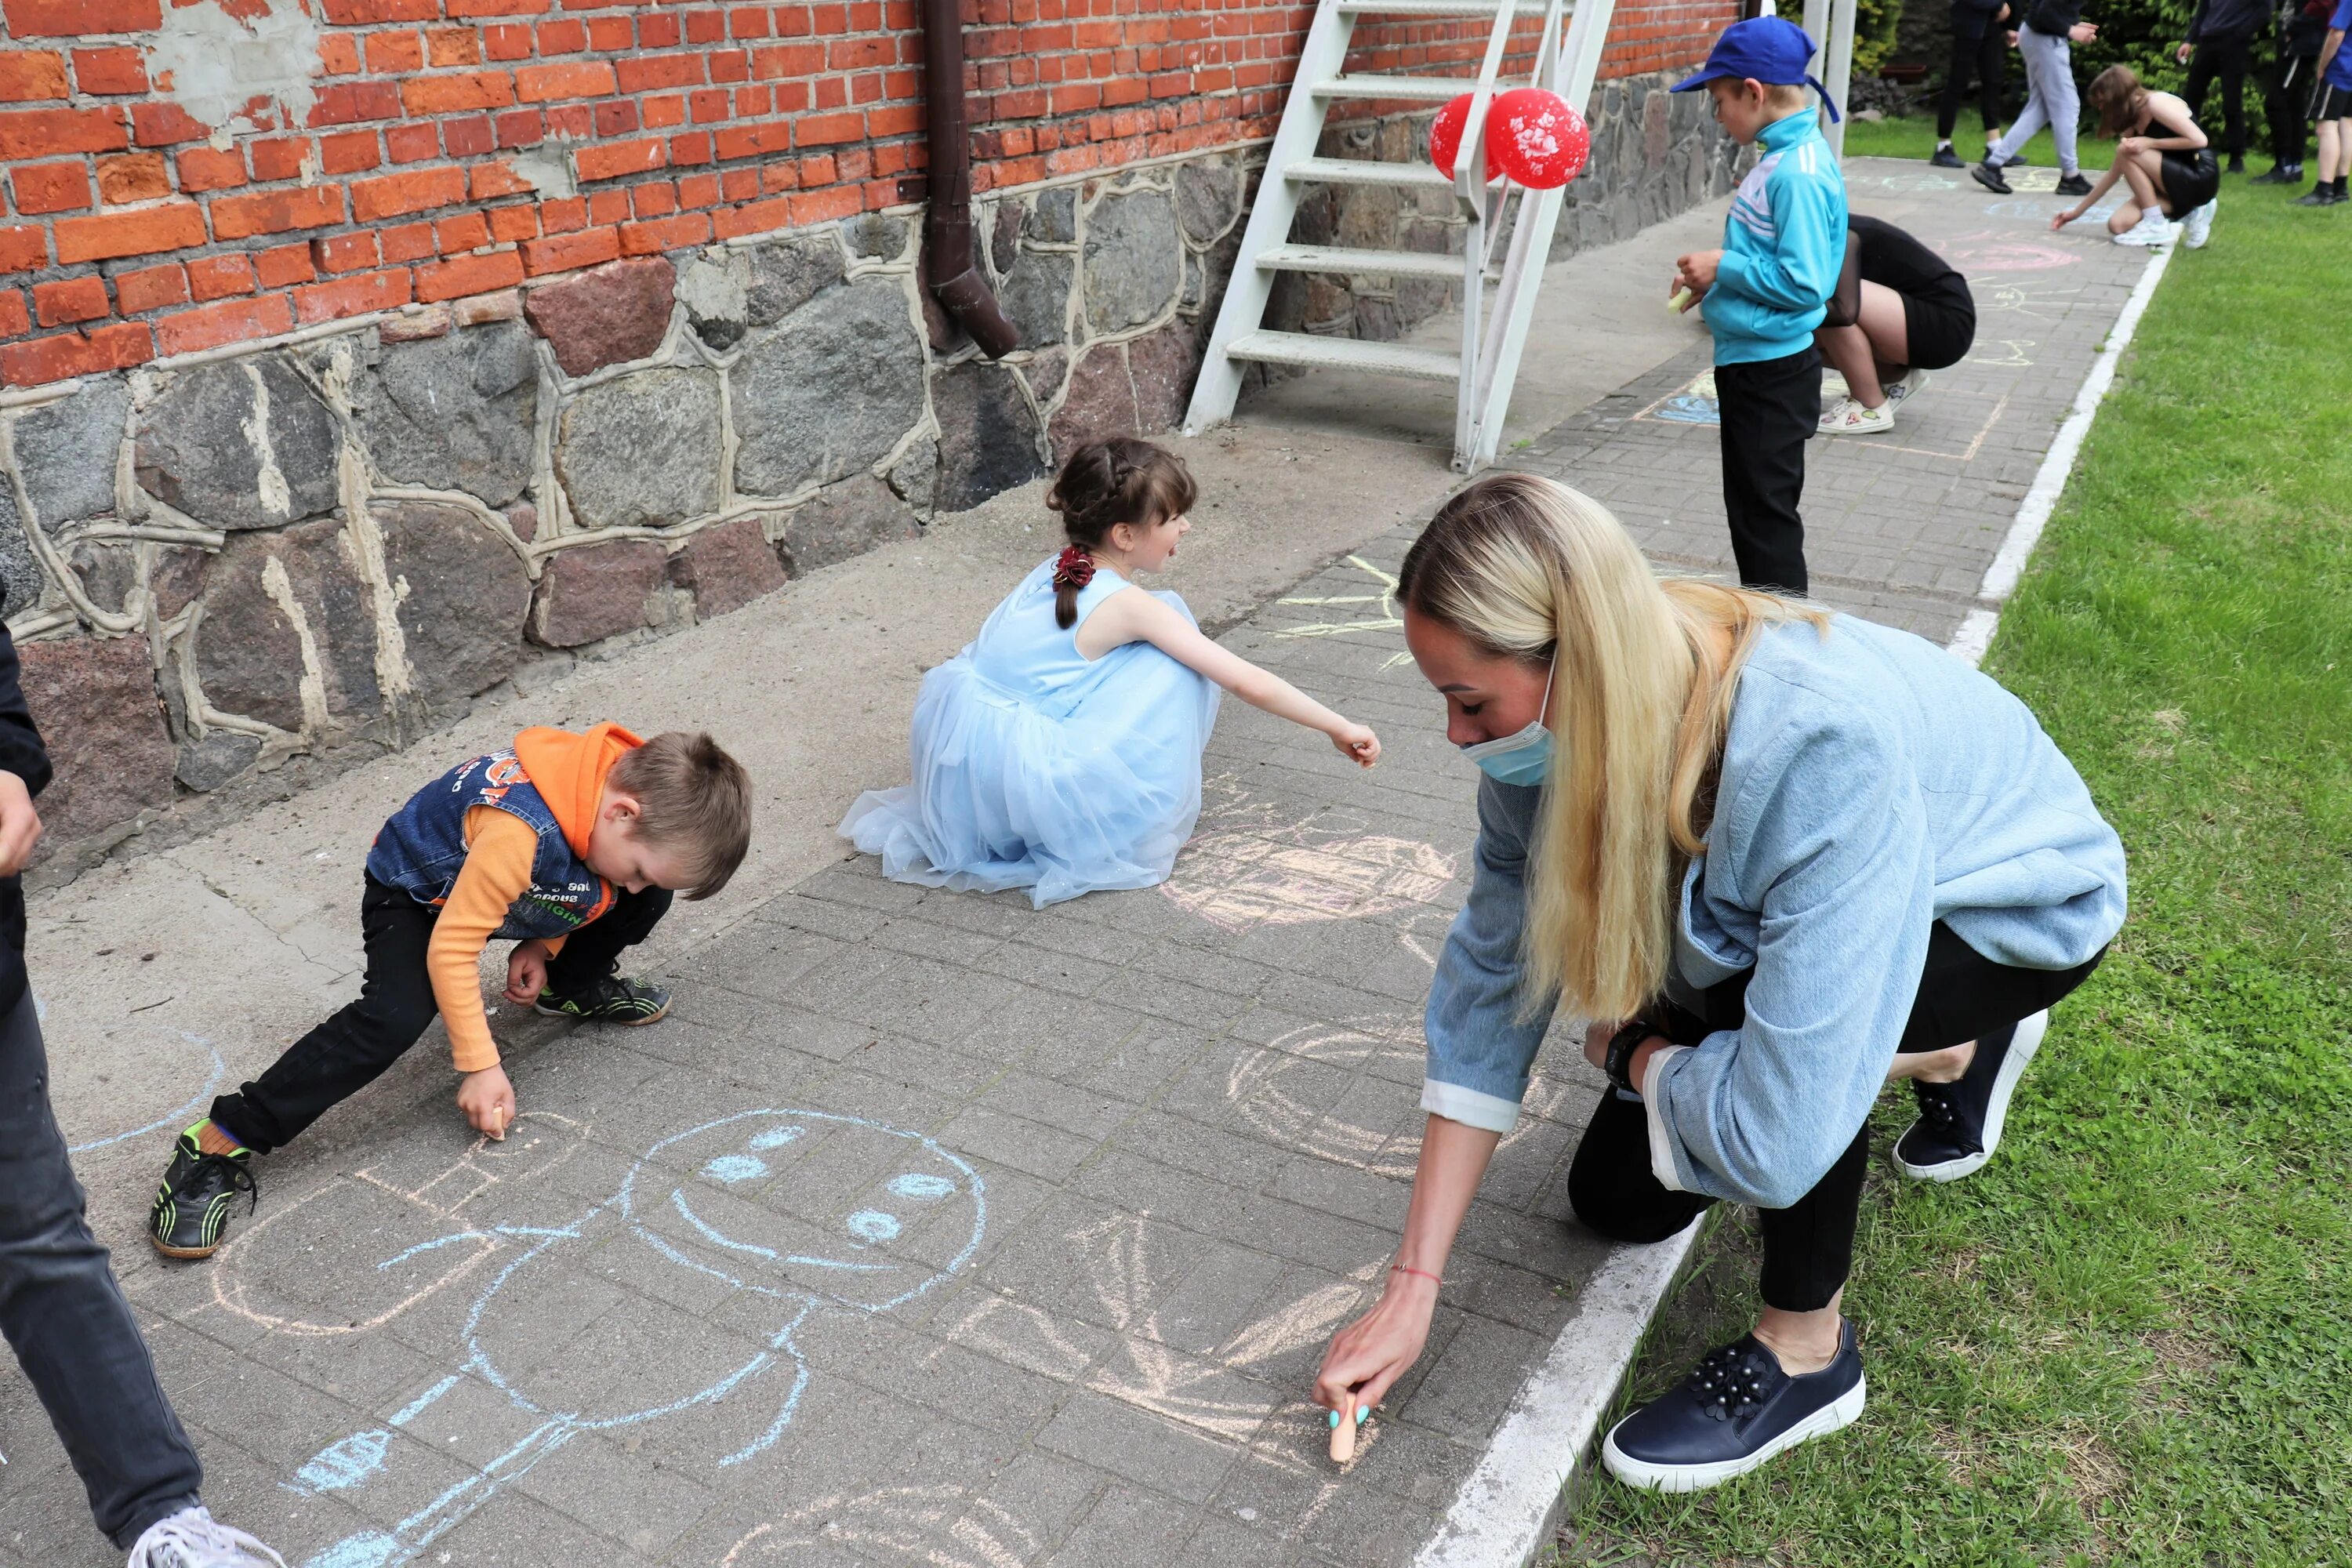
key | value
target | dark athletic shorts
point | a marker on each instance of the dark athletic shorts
(2332, 103)
(1940, 335)
(2191, 180)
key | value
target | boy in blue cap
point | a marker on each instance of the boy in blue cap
(1767, 289)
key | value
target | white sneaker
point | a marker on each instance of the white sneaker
(193, 1538)
(2198, 226)
(1914, 382)
(2153, 228)
(1849, 418)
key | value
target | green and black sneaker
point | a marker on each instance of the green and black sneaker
(192, 1206)
(611, 1000)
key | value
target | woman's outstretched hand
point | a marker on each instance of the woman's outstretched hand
(1356, 743)
(1369, 1355)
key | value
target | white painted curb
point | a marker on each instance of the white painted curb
(1975, 635)
(1506, 1510)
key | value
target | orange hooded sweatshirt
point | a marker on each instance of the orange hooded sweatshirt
(569, 772)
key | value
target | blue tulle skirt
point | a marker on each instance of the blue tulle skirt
(1081, 789)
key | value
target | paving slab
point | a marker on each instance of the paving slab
(931, 1227)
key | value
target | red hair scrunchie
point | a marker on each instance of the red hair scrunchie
(1073, 566)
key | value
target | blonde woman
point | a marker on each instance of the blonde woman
(1784, 856)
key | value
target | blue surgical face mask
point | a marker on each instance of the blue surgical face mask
(1524, 758)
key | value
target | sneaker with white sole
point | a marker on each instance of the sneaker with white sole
(2198, 226)
(2152, 229)
(1849, 418)
(1914, 382)
(1735, 1411)
(1960, 1123)
(193, 1538)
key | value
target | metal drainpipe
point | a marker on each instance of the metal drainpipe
(957, 280)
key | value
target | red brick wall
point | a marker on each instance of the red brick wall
(130, 229)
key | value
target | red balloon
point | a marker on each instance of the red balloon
(1535, 138)
(1445, 134)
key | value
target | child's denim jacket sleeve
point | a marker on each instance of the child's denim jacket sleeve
(1479, 1047)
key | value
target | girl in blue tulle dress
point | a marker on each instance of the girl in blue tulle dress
(1061, 751)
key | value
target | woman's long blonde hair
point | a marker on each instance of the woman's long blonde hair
(1643, 675)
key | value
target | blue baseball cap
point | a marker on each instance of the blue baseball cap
(1770, 50)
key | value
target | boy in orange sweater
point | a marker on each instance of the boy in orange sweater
(572, 844)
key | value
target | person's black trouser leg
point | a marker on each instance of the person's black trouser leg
(1809, 1246)
(66, 1318)
(594, 950)
(350, 1049)
(2226, 62)
(1957, 71)
(1770, 409)
(2280, 114)
(1978, 58)
(1992, 54)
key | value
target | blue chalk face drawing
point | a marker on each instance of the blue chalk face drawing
(744, 1230)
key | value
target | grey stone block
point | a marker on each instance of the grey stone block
(239, 444)
(642, 451)
(827, 391)
(1133, 259)
(453, 413)
(66, 451)
(463, 594)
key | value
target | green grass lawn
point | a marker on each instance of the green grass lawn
(2129, 1339)
(1915, 138)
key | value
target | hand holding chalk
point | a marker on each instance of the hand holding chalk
(1344, 1423)
(1682, 299)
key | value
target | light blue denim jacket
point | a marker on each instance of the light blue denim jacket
(1872, 784)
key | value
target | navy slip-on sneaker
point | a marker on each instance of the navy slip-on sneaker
(1990, 178)
(1959, 1123)
(1735, 1411)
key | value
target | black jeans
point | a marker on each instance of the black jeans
(351, 1049)
(1981, 58)
(1809, 1246)
(2229, 59)
(1770, 409)
(2283, 115)
(65, 1317)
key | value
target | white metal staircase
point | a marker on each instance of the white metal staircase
(1493, 326)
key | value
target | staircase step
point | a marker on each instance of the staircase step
(1370, 171)
(1360, 263)
(1347, 353)
(1439, 7)
(1419, 88)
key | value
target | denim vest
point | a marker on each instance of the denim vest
(422, 849)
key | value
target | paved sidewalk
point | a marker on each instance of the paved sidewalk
(933, 1229)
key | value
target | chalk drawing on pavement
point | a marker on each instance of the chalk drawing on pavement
(935, 1526)
(1254, 864)
(85, 1098)
(761, 1220)
(1383, 617)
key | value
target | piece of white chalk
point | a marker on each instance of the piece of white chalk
(1681, 302)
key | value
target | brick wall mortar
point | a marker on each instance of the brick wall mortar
(450, 148)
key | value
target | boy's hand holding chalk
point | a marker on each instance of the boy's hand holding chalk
(1682, 299)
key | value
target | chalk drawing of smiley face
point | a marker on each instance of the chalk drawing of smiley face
(846, 1211)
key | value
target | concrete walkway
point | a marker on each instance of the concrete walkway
(931, 1228)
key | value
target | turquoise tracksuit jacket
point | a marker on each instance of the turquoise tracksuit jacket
(1783, 244)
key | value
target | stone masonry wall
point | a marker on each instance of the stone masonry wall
(234, 575)
(179, 176)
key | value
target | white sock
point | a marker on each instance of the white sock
(1944, 144)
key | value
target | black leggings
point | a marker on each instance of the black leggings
(351, 1049)
(1809, 1246)
(1981, 58)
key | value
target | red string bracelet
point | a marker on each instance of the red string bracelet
(1425, 1274)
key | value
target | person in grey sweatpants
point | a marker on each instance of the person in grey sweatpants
(2045, 43)
(60, 1309)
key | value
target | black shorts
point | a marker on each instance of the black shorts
(2191, 180)
(2331, 102)
(1940, 335)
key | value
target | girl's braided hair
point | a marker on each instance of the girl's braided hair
(1103, 484)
